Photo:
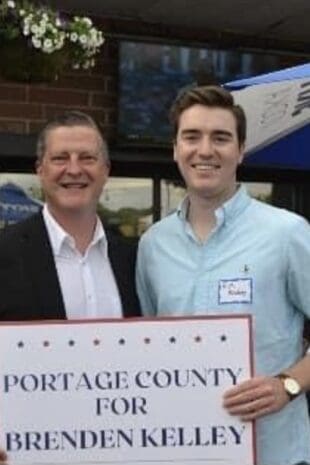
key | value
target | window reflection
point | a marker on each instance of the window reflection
(260, 190)
(172, 192)
(125, 204)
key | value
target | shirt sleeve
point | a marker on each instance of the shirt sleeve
(299, 266)
(147, 304)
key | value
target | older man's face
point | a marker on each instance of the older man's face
(73, 170)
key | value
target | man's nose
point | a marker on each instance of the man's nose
(206, 146)
(73, 165)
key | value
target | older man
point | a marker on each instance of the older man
(63, 263)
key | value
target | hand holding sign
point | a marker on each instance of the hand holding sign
(255, 398)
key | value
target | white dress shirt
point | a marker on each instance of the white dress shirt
(87, 281)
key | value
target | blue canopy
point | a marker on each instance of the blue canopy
(15, 204)
(290, 152)
(283, 97)
(297, 72)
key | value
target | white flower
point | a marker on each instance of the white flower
(11, 4)
(26, 31)
(43, 24)
(87, 21)
(36, 42)
(74, 37)
(83, 39)
(59, 44)
(40, 31)
(35, 29)
(47, 46)
(86, 64)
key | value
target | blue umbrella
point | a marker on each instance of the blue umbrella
(277, 106)
(15, 204)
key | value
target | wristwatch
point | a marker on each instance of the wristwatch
(291, 385)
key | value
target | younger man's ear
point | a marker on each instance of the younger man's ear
(242, 154)
(174, 152)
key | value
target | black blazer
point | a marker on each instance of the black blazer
(29, 285)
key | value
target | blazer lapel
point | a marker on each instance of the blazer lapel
(122, 259)
(39, 256)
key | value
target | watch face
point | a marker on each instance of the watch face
(291, 386)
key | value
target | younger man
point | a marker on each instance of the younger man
(220, 236)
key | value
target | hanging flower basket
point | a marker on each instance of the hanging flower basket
(37, 43)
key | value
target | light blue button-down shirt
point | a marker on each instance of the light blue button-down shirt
(256, 260)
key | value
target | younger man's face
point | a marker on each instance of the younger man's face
(207, 152)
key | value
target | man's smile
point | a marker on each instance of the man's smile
(205, 166)
(74, 185)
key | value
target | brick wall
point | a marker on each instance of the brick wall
(25, 107)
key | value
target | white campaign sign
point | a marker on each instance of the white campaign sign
(124, 392)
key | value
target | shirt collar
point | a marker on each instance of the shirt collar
(231, 208)
(59, 237)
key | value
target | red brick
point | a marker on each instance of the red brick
(109, 131)
(98, 115)
(103, 100)
(105, 67)
(111, 85)
(20, 110)
(57, 96)
(51, 111)
(111, 117)
(13, 126)
(12, 92)
(35, 126)
(80, 81)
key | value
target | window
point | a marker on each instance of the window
(125, 204)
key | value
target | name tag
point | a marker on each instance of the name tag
(236, 291)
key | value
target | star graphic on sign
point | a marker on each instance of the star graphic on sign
(122, 342)
(71, 343)
(46, 343)
(172, 339)
(223, 337)
(147, 340)
(97, 342)
(198, 338)
(20, 344)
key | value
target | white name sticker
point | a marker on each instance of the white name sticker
(239, 290)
